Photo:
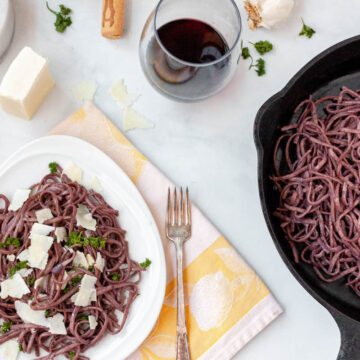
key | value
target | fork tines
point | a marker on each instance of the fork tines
(178, 210)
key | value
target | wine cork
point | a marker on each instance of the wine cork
(113, 18)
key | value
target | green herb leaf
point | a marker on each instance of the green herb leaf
(115, 277)
(20, 265)
(146, 263)
(20, 347)
(53, 167)
(5, 327)
(307, 30)
(83, 318)
(62, 19)
(71, 354)
(30, 281)
(77, 239)
(263, 47)
(47, 312)
(11, 241)
(259, 67)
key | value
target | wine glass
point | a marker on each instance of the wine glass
(189, 49)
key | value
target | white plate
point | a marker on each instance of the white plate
(29, 164)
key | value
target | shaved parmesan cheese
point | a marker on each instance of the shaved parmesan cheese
(90, 260)
(43, 215)
(41, 229)
(80, 259)
(94, 184)
(65, 277)
(40, 282)
(11, 257)
(57, 325)
(68, 249)
(74, 173)
(24, 255)
(30, 316)
(87, 291)
(38, 250)
(20, 196)
(25, 272)
(92, 322)
(11, 350)
(84, 90)
(60, 234)
(120, 95)
(84, 218)
(100, 262)
(133, 120)
(14, 287)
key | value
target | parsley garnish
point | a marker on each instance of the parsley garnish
(71, 354)
(77, 239)
(47, 312)
(146, 263)
(245, 52)
(11, 241)
(83, 318)
(259, 67)
(62, 19)
(307, 30)
(5, 327)
(263, 47)
(30, 281)
(53, 167)
(91, 268)
(115, 277)
(20, 347)
(20, 265)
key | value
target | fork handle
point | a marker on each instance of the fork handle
(182, 343)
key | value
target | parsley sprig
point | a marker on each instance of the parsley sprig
(259, 67)
(10, 241)
(145, 264)
(306, 30)
(20, 265)
(5, 327)
(263, 47)
(73, 283)
(76, 238)
(63, 20)
(53, 167)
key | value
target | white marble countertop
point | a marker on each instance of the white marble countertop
(207, 145)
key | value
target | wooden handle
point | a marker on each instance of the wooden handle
(113, 18)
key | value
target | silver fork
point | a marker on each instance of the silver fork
(178, 230)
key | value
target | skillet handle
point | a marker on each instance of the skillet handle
(350, 337)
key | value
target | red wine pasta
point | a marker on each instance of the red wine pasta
(116, 281)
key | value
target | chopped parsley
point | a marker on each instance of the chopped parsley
(263, 47)
(5, 327)
(47, 313)
(11, 241)
(259, 67)
(83, 318)
(146, 263)
(53, 167)
(245, 52)
(91, 268)
(115, 277)
(73, 283)
(63, 20)
(306, 30)
(77, 239)
(71, 354)
(20, 347)
(20, 265)
(30, 280)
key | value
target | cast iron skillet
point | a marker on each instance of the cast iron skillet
(324, 75)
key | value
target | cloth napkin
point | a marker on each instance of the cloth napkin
(227, 304)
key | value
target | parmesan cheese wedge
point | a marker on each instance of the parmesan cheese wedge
(92, 322)
(80, 259)
(57, 325)
(11, 257)
(38, 250)
(41, 229)
(43, 215)
(100, 262)
(30, 316)
(60, 234)
(84, 90)
(74, 173)
(120, 95)
(90, 260)
(94, 184)
(133, 120)
(14, 287)
(87, 292)
(11, 350)
(20, 196)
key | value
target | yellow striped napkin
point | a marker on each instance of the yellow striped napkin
(227, 304)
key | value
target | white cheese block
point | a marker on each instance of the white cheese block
(43, 215)
(57, 325)
(30, 316)
(80, 259)
(100, 262)
(17, 201)
(11, 347)
(41, 229)
(26, 84)
(74, 173)
(60, 234)
(14, 287)
(90, 260)
(92, 322)
(7, 22)
(87, 292)
(84, 218)
(11, 257)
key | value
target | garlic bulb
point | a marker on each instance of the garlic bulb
(268, 13)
